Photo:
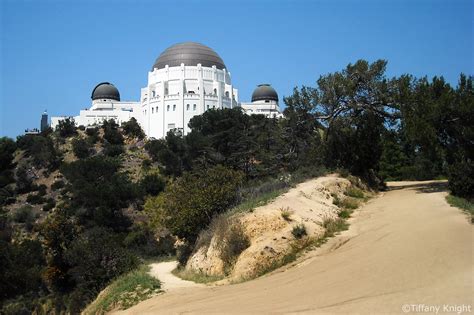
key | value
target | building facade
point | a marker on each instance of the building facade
(186, 80)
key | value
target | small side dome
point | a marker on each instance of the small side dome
(264, 92)
(105, 90)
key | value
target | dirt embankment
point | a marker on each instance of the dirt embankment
(269, 230)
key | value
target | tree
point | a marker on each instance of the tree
(111, 132)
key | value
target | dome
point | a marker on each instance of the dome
(264, 92)
(105, 90)
(190, 54)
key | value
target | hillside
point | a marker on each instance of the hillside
(407, 246)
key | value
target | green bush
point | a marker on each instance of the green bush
(24, 214)
(299, 231)
(461, 179)
(188, 204)
(95, 258)
(50, 204)
(354, 192)
(66, 127)
(93, 134)
(333, 226)
(57, 185)
(35, 199)
(152, 184)
(111, 132)
(231, 240)
(81, 148)
(41, 149)
(113, 150)
(132, 129)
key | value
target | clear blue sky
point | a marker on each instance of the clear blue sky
(53, 53)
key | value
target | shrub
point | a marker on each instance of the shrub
(113, 150)
(41, 149)
(344, 214)
(57, 185)
(66, 127)
(333, 226)
(50, 204)
(231, 240)
(132, 129)
(152, 184)
(81, 148)
(24, 214)
(24, 181)
(299, 231)
(96, 258)
(42, 190)
(93, 134)
(35, 199)
(111, 133)
(461, 179)
(286, 213)
(354, 192)
(188, 204)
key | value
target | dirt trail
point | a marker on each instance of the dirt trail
(407, 246)
(162, 271)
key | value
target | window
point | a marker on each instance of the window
(153, 94)
(187, 106)
(267, 101)
(194, 107)
(207, 106)
(171, 126)
(168, 108)
(152, 110)
(215, 91)
(145, 111)
(156, 110)
(174, 107)
(227, 94)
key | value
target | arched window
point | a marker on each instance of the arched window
(174, 107)
(156, 109)
(227, 93)
(168, 108)
(215, 91)
(194, 106)
(152, 110)
(187, 106)
(153, 93)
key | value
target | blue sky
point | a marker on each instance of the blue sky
(53, 53)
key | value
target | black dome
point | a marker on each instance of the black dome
(105, 90)
(190, 54)
(264, 92)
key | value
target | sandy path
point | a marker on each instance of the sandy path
(162, 271)
(407, 246)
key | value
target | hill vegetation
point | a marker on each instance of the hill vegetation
(83, 206)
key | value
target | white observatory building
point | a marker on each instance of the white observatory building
(186, 80)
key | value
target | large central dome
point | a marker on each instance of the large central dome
(190, 54)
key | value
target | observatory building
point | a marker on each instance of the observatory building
(186, 80)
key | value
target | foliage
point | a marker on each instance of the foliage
(111, 132)
(286, 213)
(231, 240)
(152, 184)
(22, 265)
(66, 127)
(126, 291)
(81, 148)
(354, 192)
(298, 231)
(41, 149)
(35, 199)
(95, 258)
(188, 204)
(93, 134)
(334, 226)
(99, 187)
(132, 129)
(462, 203)
(112, 150)
(57, 185)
